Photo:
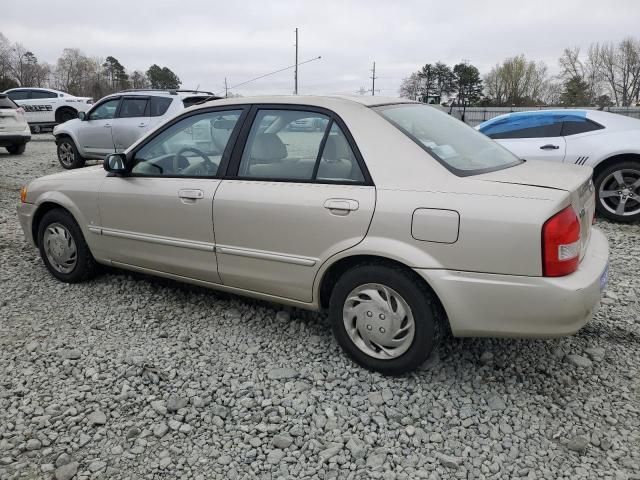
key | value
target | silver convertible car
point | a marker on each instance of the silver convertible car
(399, 220)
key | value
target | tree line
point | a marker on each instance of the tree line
(607, 74)
(76, 73)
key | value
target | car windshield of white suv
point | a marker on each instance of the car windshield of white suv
(457, 146)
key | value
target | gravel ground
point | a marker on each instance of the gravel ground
(133, 377)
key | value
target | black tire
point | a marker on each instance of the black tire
(423, 305)
(85, 266)
(68, 154)
(65, 114)
(604, 206)
(17, 149)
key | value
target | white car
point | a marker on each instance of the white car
(45, 107)
(14, 130)
(116, 121)
(607, 142)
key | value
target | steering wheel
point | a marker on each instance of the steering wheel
(200, 153)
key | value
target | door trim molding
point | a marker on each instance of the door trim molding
(262, 255)
(157, 239)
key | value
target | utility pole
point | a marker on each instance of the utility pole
(295, 74)
(373, 79)
(226, 88)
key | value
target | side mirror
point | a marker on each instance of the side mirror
(82, 115)
(115, 163)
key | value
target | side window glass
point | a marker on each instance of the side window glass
(338, 161)
(38, 94)
(133, 107)
(159, 106)
(105, 110)
(525, 126)
(192, 147)
(19, 95)
(573, 125)
(283, 145)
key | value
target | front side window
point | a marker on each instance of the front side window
(105, 110)
(19, 95)
(460, 148)
(192, 147)
(298, 145)
(523, 126)
(133, 107)
(38, 94)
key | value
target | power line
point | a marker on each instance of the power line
(270, 73)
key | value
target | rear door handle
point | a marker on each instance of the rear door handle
(548, 146)
(190, 194)
(107, 125)
(341, 205)
(142, 125)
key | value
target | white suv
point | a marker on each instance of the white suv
(45, 107)
(116, 121)
(14, 130)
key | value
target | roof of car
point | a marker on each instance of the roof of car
(166, 91)
(313, 100)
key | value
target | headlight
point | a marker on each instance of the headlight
(23, 194)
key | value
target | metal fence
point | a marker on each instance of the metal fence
(476, 115)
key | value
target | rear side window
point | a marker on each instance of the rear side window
(6, 102)
(524, 126)
(19, 95)
(39, 94)
(133, 107)
(573, 125)
(159, 106)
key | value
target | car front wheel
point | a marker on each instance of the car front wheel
(68, 155)
(618, 191)
(383, 318)
(63, 248)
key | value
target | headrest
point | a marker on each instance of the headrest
(268, 147)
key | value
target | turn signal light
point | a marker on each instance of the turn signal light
(23, 194)
(561, 244)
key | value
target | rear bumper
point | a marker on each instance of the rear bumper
(14, 138)
(480, 304)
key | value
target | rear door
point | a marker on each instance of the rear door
(530, 135)
(131, 122)
(42, 105)
(291, 200)
(94, 133)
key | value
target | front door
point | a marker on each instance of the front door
(294, 198)
(94, 133)
(160, 216)
(131, 122)
(538, 148)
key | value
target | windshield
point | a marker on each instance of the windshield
(457, 146)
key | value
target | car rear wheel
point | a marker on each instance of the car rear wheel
(63, 248)
(68, 155)
(17, 149)
(383, 318)
(618, 191)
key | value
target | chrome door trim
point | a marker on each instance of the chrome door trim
(157, 239)
(262, 255)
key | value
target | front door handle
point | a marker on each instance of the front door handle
(548, 146)
(107, 125)
(341, 206)
(142, 125)
(191, 194)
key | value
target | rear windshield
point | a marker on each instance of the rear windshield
(460, 148)
(6, 102)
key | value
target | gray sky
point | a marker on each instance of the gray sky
(204, 41)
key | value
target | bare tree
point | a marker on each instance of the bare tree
(6, 76)
(410, 86)
(517, 81)
(619, 66)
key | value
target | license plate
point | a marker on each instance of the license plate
(604, 278)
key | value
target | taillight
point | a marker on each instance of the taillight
(561, 244)
(20, 111)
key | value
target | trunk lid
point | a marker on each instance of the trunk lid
(574, 179)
